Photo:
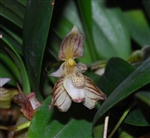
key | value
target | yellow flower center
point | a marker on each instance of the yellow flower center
(70, 66)
(71, 62)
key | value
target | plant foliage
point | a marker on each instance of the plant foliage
(116, 40)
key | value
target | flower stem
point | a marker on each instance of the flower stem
(121, 119)
(23, 126)
(18, 128)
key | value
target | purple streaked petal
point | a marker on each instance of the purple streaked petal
(60, 98)
(92, 94)
(72, 45)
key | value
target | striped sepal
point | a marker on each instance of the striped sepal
(72, 45)
(92, 94)
(60, 97)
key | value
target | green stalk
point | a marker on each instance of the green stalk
(23, 126)
(18, 128)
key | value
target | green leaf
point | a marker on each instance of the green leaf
(143, 101)
(76, 123)
(8, 48)
(116, 71)
(98, 131)
(35, 32)
(8, 69)
(10, 37)
(124, 134)
(23, 2)
(133, 82)
(107, 23)
(13, 11)
(13, 35)
(138, 26)
(135, 117)
(85, 9)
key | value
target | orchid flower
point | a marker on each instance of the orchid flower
(72, 85)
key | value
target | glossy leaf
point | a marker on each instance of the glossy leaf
(85, 9)
(115, 72)
(134, 81)
(35, 32)
(138, 26)
(52, 123)
(107, 23)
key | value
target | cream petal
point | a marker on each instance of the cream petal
(60, 97)
(92, 94)
(89, 103)
(63, 102)
(72, 45)
(60, 72)
(4, 81)
(76, 94)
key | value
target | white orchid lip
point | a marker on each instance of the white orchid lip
(72, 85)
(77, 94)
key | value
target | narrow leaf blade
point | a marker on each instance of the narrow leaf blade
(36, 27)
